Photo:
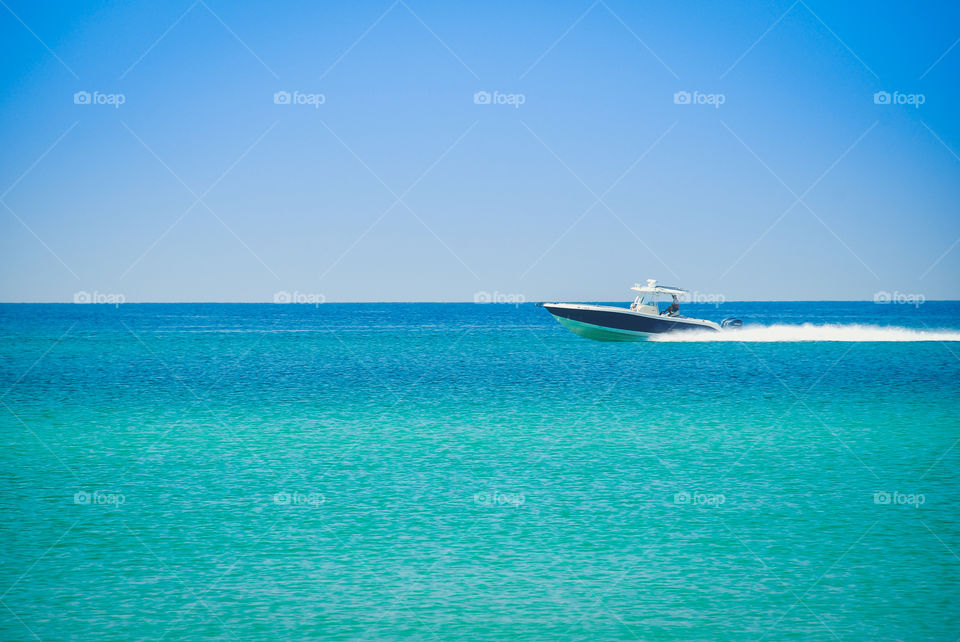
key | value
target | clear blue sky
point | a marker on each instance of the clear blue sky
(798, 186)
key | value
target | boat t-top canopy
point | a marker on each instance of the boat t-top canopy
(652, 288)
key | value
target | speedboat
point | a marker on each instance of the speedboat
(642, 319)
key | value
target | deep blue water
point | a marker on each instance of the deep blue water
(476, 471)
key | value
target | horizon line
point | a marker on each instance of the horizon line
(411, 302)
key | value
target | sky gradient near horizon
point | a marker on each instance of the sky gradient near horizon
(431, 151)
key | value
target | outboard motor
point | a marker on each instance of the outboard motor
(731, 323)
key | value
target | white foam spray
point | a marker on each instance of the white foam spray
(810, 332)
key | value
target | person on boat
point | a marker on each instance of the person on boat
(673, 309)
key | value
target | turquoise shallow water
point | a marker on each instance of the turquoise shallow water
(474, 471)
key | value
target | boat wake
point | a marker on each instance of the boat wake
(810, 332)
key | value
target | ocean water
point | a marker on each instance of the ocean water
(459, 471)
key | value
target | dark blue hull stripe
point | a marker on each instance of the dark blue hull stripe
(621, 321)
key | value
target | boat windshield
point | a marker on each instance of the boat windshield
(647, 302)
